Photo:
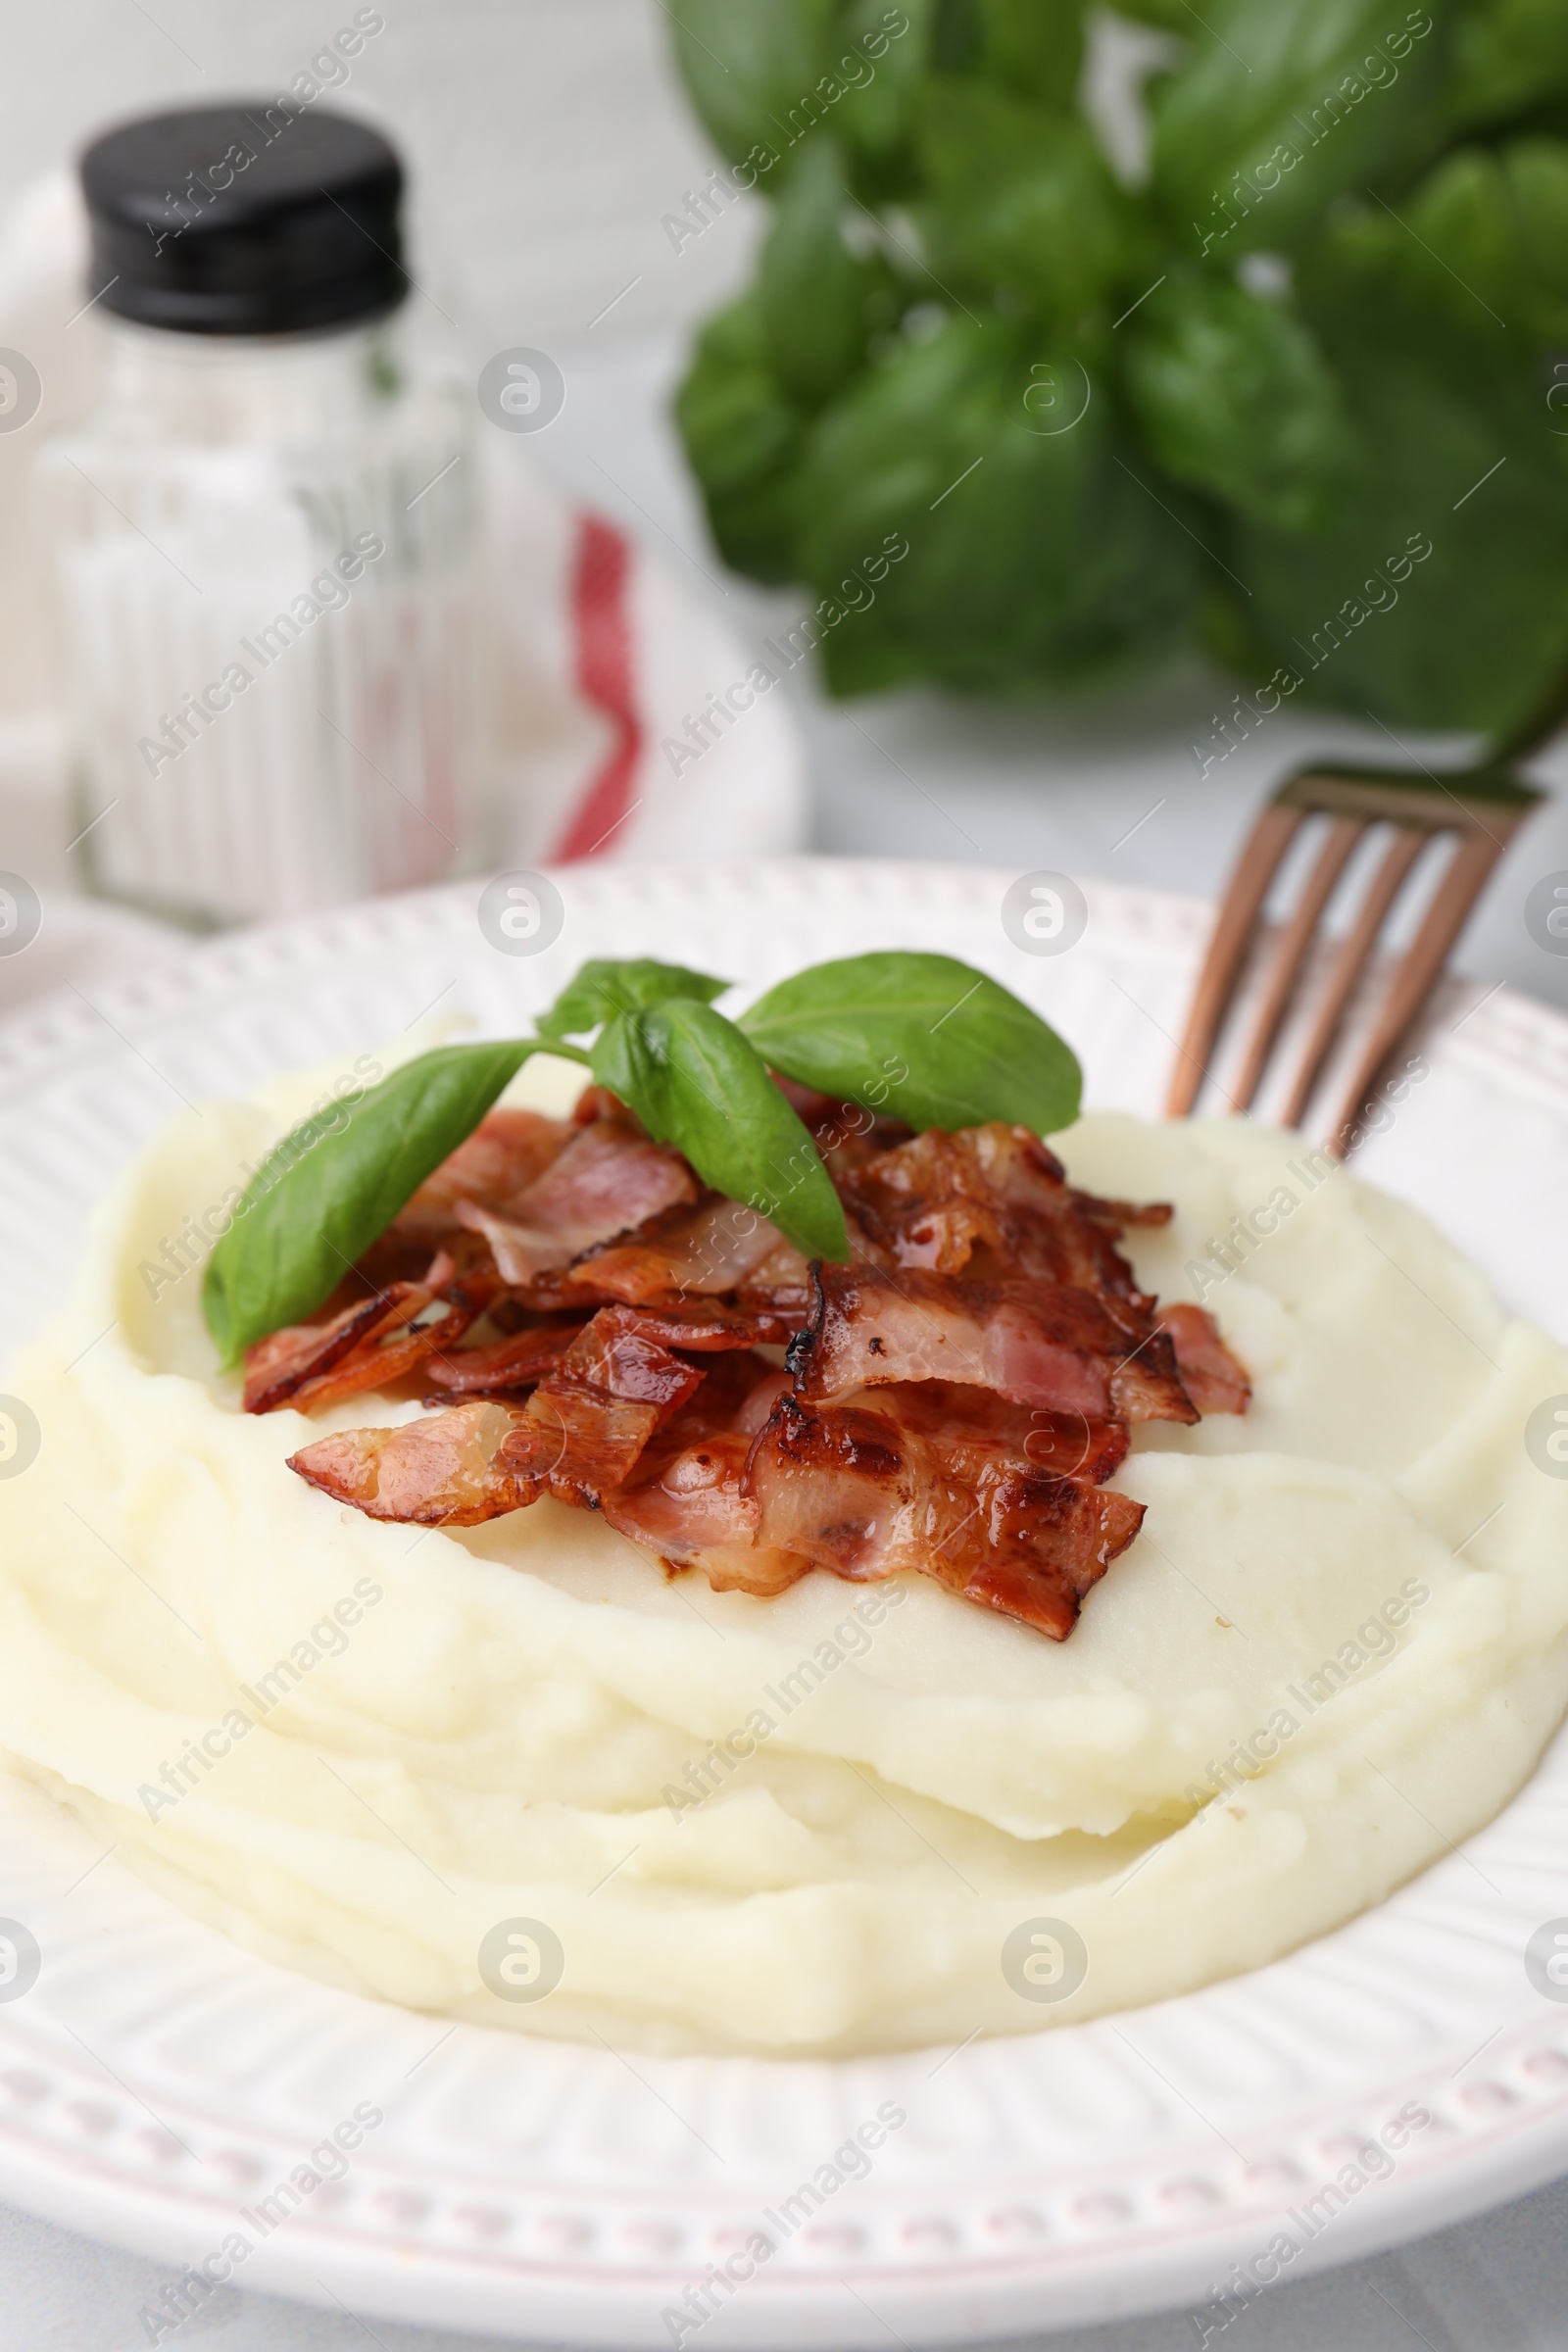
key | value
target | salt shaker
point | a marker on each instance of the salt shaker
(264, 531)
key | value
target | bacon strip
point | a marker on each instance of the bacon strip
(696, 1327)
(1047, 1345)
(965, 1419)
(519, 1362)
(275, 1367)
(607, 1181)
(441, 1472)
(850, 1489)
(585, 1425)
(703, 1327)
(686, 1501)
(367, 1346)
(994, 1202)
(507, 1153)
(718, 1246)
(1210, 1373)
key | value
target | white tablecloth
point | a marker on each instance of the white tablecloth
(1105, 785)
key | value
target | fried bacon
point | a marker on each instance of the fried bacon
(952, 1401)
(994, 1202)
(522, 1361)
(1210, 1373)
(436, 1473)
(585, 1425)
(1069, 1444)
(687, 1501)
(507, 1154)
(502, 1368)
(605, 1182)
(366, 1345)
(854, 1490)
(714, 1248)
(1051, 1345)
(579, 1435)
(705, 1328)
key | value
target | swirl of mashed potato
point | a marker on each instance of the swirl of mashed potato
(806, 1825)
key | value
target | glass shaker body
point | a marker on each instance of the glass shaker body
(264, 572)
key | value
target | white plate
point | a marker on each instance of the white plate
(155, 2079)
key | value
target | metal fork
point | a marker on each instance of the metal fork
(1483, 806)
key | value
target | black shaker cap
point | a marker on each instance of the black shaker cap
(252, 218)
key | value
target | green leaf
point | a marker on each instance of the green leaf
(1483, 487)
(744, 438)
(876, 120)
(1028, 556)
(1476, 258)
(753, 68)
(1451, 394)
(1511, 58)
(1536, 175)
(1235, 399)
(1282, 106)
(1032, 48)
(334, 1183)
(1021, 200)
(603, 988)
(695, 1083)
(1170, 16)
(819, 304)
(924, 1037)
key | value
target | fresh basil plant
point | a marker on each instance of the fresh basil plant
(1293, 389)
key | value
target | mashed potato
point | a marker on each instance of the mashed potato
(512, 1774)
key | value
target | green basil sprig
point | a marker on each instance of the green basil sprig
(924, 1037)
(334, 1183)
(694, 1082)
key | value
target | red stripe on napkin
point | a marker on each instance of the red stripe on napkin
(603, 660)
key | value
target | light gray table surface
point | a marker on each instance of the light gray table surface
(1103, 784)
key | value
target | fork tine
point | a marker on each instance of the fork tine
(1290, 955)
(1401, 853)
(1456, 894)
(1256, 868)
(1484, 805)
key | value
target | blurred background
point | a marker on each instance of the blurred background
(1082, 662)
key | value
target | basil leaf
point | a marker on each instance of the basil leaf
(1034, 48)
(693, 1082)
(603, 988)
(1511, 58)
(1050, 560)
(753, 68)
(744, 438)
(1021, 200)
(335, 1182)
(1375, 614)
(1234, 397)
(819, 304)
(1299, 99)
(926, 1036)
